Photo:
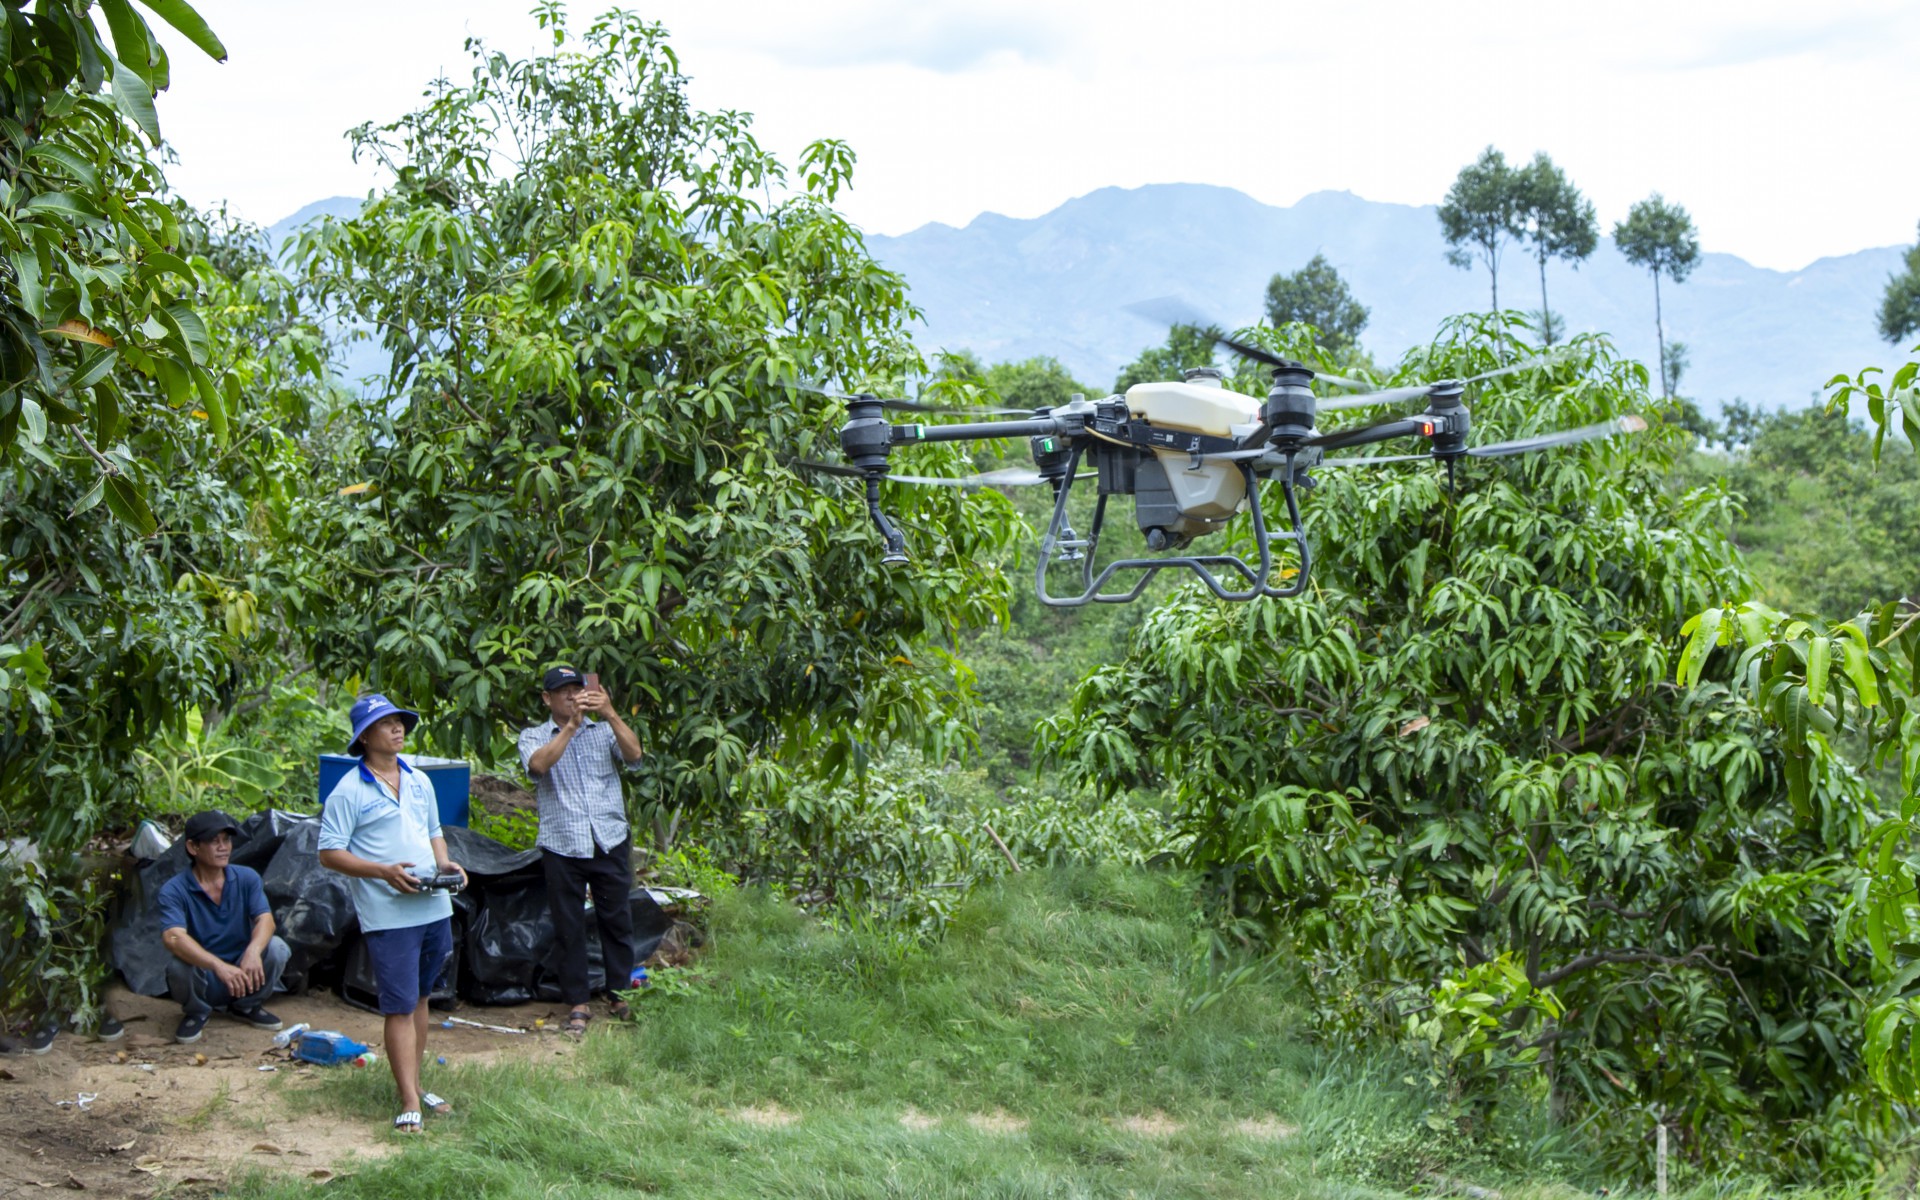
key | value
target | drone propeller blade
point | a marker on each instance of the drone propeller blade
(1386, 396)
(824, 468)
(912, 406)
(1342, 381)
(1373, 461)
(1171, 312)
(1630, 423)
(1006, 477)
(1419, 390)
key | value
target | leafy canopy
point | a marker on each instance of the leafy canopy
(1555, 221)
(588, 291)
(1458, 783)
(1900, 303)
(1660, 237)
(1186, 347)
(1316, 295)
(1481, 215)
(153, 376)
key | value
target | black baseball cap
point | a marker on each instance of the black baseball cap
(205, 826)
(559, 677)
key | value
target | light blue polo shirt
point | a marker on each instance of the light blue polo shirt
(363, 819)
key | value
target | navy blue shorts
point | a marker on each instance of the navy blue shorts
(408, 963)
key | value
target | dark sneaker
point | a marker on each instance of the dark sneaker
(109, 1029)
(189, 1029)
(259, 1018)
(40, 1040)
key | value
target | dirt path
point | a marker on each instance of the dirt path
(127, 1118)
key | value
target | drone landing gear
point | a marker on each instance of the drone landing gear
(1061, 545)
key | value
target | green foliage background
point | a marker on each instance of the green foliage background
(1530, 794)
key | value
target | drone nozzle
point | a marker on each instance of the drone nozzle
(896, 541)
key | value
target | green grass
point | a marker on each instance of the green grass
(1059, 999)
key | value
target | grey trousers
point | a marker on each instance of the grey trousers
(199, 991)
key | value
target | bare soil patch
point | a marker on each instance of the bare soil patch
(1153, 1124)
(918, 1121)
(498, 795)
(159, 1115)
(997, 1121)
(767, 1116)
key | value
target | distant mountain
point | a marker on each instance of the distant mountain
(332, 206)
(1057, 285)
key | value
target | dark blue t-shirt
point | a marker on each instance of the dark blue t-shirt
(223, 929)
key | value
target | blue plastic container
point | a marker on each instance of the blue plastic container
(452, 781)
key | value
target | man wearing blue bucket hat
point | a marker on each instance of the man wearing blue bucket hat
(380, 827)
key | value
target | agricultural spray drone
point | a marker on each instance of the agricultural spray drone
(1191, 454)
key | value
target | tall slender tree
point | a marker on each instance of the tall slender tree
(1660, 237)
(1481, 214)
(1555, 221)
(1900, 306)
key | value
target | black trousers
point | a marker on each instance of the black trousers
(609, 875)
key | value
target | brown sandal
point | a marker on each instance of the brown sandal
(577, 1021)
(620, 1010)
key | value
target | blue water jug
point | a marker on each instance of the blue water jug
(327, 1048)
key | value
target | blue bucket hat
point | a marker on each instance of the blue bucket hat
(370, 708)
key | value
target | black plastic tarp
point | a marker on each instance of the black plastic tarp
(134, 943)
(505, 951)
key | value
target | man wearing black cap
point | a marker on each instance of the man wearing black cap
(215, 920)
(575, 763)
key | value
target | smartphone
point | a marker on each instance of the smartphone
(593, 681)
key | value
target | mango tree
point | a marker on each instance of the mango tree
(124, 511)
(592, 298)
(1841, 696)
(1459, 783)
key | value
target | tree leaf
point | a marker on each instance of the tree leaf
(134, 99)
(79, 331)
(181, 15)
(1819, 663)
(132, 42)
(126, 501)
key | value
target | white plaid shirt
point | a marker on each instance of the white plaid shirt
(581, 804)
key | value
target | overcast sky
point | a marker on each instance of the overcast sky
(1784, 128)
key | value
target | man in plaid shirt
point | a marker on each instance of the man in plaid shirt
(575, 763)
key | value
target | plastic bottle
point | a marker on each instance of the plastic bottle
(639, 978)
(327, 1048)
(287, 1037)
(365, 1058)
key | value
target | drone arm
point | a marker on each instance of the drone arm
(907, 435)
(1367, 435)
